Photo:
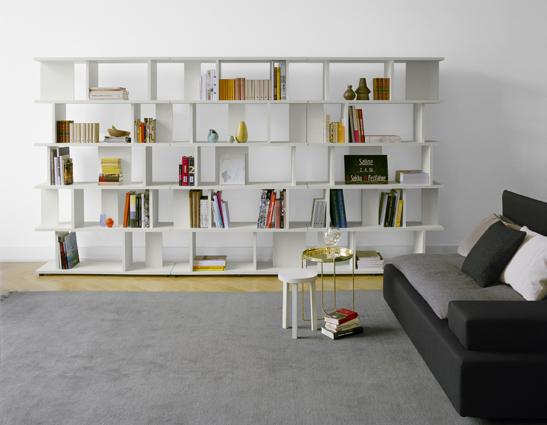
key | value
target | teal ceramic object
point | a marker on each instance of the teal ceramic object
(212, 136)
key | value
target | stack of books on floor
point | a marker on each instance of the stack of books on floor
(110, 93)
(209, 263)
(369, 260)
(111, 172)
(342, 322)
(68, 251)
(412, 177)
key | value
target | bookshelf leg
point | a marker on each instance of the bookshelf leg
(285, 318)
(294, 322)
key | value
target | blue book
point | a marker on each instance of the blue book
(334, 209)
(342, 208)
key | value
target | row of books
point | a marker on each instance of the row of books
(381, 88)
(333, 132)
(337, 208)
(61, 166)
(244, 89)
(145, 131)
(369, 260)
(412, 177)
(391, 209)
(274, 88)
(209, 263)
(187, 171)
(137, 210)
(111, 172)
(104, 93)
(70, 132)
(356, 125)
(220, 211)
(272, 211)
(341, 323)
(199, 211)
(68, 251)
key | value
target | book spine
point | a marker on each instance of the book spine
(180, 174)
(184, 171)
(191, 171)
(399, 213)
(335, 209)
(271, 211)
(278, 214)
(342, 207)
(133, 210)
(126, 210)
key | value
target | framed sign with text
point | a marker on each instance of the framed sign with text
(365, 169)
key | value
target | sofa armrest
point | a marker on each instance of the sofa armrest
(499, 325)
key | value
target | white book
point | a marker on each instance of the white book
(71, 132)
(225, 214)
(83, 135)
(283, 79)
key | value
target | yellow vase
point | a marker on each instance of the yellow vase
(241, 133)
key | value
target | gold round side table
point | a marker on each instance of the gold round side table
(330, 255)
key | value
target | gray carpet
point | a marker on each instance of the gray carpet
(206, 358)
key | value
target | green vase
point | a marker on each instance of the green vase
(212, 136)
(349, 94)
(362, 91)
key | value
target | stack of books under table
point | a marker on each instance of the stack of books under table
(209, 263)
(342, 322)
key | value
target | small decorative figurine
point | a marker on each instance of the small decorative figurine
(362, 91)
(241, 133)
(212, 136)
(103, 220)
(109, 222)
(231, 139)
(349, 94)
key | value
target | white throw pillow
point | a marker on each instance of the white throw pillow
(526, 272)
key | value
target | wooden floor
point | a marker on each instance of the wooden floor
(22, 277)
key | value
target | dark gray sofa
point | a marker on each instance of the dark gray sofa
(490, 357)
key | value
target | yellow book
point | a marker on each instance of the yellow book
(278, 83)
(340, 133)
(399, 213)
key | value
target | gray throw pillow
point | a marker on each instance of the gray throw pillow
(487, 259)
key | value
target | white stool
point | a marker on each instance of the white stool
(296, 276)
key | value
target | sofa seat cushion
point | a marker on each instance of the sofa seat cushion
(438, 279)
(499, 325)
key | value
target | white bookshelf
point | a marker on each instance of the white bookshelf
(57, 88)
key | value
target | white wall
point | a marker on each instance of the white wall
(493, 81)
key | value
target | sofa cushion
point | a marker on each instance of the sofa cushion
(438, 279)
(487, 259)
(482, 226)
(499, 325)
(526, 272)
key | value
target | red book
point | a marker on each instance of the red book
(340, 316)
(278, 214)
(270, 212)
(361, 126)
(184, 171)
(126, 211)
